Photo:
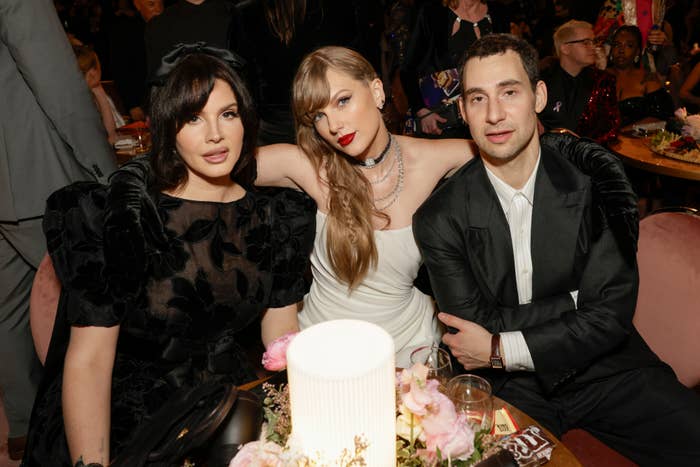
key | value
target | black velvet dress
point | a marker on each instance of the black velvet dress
(656, 104)
(185, 313)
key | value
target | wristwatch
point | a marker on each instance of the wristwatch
(495, 359)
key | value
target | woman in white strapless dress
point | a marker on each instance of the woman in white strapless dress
(386, 296)
(367, 184)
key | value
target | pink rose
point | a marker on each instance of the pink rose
(415, 389)
(258, 454)
(447, 430)
(441, 416)
(275, 357)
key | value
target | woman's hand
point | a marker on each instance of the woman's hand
(657, 37)
(429, 122)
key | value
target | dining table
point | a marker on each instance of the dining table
(132, 140)
(636, 152)
(561, 455)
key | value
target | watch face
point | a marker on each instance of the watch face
(496, 362)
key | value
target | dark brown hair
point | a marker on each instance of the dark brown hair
(498, 44)
(183, 95)
(635, 32)
(284, 17)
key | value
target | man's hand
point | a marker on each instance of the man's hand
(656, 37)
(471, 346)
(429, 122)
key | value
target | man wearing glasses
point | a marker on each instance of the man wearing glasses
(581, 98)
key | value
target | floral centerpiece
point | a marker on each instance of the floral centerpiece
(690, 124)
(430, 431)
(680, 140)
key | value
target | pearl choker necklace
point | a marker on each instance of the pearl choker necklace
(372, 162)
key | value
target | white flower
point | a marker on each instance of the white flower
(681, 113)
(408, 427)
(258, 454)
(692, 126)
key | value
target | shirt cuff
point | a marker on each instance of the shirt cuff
(574, 295)
(515, 352)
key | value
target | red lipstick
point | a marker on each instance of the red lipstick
(346, 139)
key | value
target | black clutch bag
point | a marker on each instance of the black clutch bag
(203, 425)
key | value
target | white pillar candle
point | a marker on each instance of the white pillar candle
(342, 385)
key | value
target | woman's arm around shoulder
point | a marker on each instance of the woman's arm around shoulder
(440, 156)
(286, 165)
(87, 392)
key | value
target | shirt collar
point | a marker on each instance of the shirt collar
(506, 193)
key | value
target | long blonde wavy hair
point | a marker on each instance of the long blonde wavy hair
(350, 234)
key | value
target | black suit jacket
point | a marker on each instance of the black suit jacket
(464, 237)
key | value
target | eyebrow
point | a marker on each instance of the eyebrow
(233, 104)
(334, 97)
(502, 84)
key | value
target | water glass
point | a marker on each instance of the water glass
(471, 395)
(437, 360)
(143, 141)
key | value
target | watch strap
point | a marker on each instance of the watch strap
(496, 360)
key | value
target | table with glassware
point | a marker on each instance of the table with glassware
(561, 456)
(636, 152)
(132, 140)
(472, 397)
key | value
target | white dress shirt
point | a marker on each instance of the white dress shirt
(517, 207)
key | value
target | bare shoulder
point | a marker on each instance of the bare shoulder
(437, 155)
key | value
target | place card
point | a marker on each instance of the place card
(503, 423)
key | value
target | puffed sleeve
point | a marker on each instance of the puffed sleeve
(293, 216)
(73, 225)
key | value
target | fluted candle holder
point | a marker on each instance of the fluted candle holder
(342, 385)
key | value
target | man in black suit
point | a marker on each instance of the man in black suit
(536, 281)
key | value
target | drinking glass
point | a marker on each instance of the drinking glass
(143, 141)
(437, 360)
(471, 395)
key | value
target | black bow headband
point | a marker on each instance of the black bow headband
(172, 58)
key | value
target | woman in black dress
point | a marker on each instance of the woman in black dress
(162, 299)
(441, 34)
(639, 94)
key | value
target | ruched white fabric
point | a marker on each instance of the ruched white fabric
(385, 297)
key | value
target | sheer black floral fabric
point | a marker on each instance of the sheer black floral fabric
(187, 287)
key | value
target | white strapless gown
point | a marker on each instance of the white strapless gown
(385, 297)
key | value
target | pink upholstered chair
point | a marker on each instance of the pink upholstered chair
(667, 314)
(668, 307)
(43, 304)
